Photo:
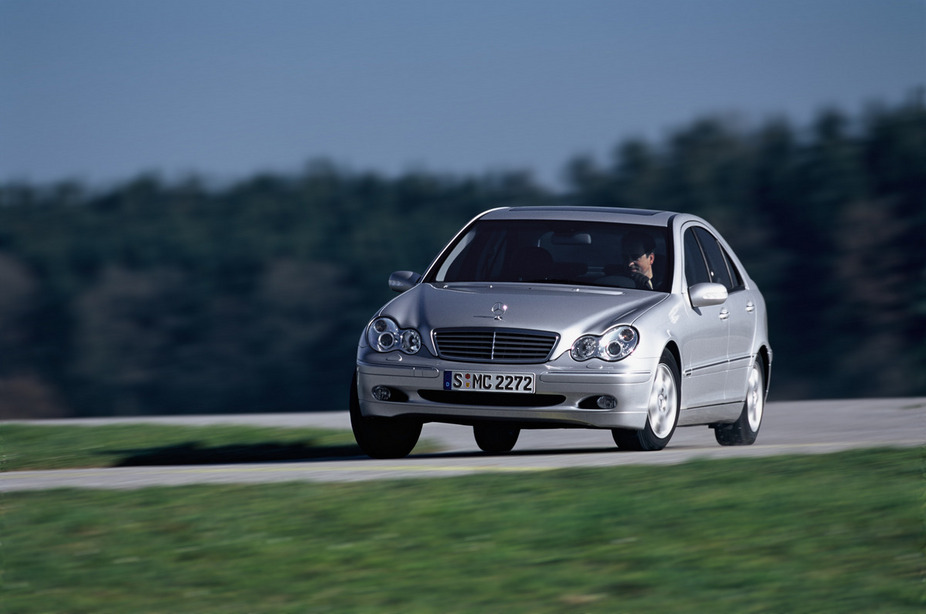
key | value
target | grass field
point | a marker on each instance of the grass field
(26, 446)
(830, 533)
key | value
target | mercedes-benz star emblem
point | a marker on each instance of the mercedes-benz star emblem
(498, 310)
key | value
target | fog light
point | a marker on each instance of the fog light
(606, 401)
(381, 393)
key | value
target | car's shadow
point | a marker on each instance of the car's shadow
(547, 452)
(196, 453)
(516, 453)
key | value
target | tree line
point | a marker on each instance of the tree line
(155, 297)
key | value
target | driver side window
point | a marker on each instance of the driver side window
(696, 271)
(716, 262)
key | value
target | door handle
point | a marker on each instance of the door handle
(724, 314)
(750, 307)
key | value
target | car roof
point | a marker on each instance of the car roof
(585, 214)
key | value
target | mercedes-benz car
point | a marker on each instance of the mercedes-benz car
(635, 321)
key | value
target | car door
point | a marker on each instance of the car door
(743, 305)
(704, 352)
(739, 312)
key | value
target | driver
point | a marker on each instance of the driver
(638, 255)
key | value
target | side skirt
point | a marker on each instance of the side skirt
(711, 414)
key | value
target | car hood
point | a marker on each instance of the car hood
(568, 310)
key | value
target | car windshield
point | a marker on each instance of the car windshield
(558, 252)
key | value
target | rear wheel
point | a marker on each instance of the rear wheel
(496, 438)
(661, 412)
(744, 431)
(381, 437)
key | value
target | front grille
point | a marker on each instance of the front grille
(500, 345)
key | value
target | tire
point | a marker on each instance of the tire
(381, 437)
(744, 431)
(661, 414)
(496, 438)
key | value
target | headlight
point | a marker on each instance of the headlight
(615, 344)
(411, 341)
(384, 335)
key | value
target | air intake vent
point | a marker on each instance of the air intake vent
(500, 345)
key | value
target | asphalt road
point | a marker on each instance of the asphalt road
(788, 428)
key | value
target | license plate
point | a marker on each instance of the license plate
(522, 383)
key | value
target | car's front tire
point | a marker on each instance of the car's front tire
(381, 437)
(744, 431)
(496, 438)
(661, 413)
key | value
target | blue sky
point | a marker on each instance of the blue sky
(103, 90)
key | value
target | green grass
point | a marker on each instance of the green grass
(829, 533)
(67, 447)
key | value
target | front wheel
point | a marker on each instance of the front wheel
(661, 411)
(381, 437)
(744, 431)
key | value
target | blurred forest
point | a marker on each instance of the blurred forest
(157, 298)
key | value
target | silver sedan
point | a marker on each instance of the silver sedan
(635, 321)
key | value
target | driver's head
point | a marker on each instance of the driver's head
(637, 250)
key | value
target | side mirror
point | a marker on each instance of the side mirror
(400, 281)
(705, 295)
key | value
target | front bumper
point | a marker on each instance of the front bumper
(565, 395)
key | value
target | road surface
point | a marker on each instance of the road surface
(788, 428)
